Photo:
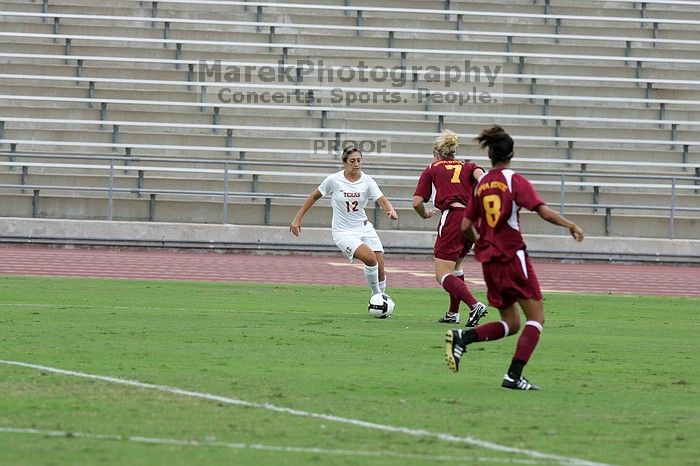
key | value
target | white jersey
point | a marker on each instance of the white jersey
(349, 199)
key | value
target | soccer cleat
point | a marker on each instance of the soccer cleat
(454, 349)
(478, 311)
(519, 384)
(449, 318)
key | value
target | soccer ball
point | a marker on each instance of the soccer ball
(380, 306)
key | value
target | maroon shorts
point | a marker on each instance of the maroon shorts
(507, 281)
(451, 244)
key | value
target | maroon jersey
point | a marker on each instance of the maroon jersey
(450, 180)
(499, 196)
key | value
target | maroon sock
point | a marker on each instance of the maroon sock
(490, 331)
(528, 340)
(454, 300)
(459, 289)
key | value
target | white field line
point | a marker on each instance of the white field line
(141, 308)
(563, 460)
(257, 446)
(194, 309)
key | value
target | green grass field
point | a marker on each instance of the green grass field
(325, 384)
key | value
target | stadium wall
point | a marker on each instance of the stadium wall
(266, 240)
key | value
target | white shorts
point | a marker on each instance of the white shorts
(349, 241)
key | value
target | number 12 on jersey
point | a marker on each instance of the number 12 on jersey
(352, 206)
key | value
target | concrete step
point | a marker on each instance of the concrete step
(298, 140)
(294, 34)
(187, 107)
(360, 103)
(128, 177)
(337, 102)
(245, 212)
(305, 142)
(308, 141)
(128, 166)
(622, 9)
(354, 93)
(253, 160)
(625, 10)
(119, 48)
(258, 76)
(630, 155)
(650, 71)
(405, 89)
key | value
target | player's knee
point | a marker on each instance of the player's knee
(513, 326)
(371, 259)
(441, 276)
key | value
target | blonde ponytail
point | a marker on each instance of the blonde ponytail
(446, 144)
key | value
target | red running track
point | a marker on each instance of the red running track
(648, 279)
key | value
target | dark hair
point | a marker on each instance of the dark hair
(500, 144)
(348, 151)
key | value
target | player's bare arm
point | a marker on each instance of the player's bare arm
(388, 208)
(419, 207)
(552, 216)
(295, 227)
(467, 225)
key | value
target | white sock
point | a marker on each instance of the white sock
(372, 276)
(382, 285)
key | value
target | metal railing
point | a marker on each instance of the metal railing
(446, 12)
(460, 32)
(223, 173)
(81, 60)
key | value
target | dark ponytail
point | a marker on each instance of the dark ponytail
(500, 144)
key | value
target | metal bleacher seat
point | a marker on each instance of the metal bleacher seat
(587, 92)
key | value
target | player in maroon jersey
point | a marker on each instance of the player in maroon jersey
(450, 183)
(510, 278)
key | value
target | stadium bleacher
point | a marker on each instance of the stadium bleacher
(104, 115)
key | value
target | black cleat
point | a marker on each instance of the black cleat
(454, 349)
(518, 384)
(478, 311)
(449, 318)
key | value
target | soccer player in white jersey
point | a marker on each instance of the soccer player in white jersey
(350, 189)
